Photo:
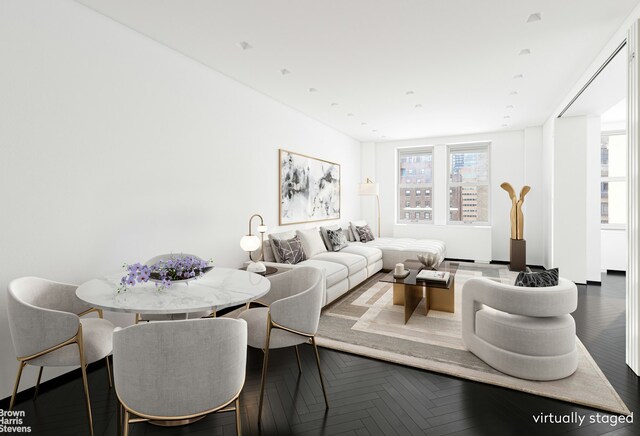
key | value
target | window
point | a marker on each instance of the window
(469, 184)
(613, 173)
(415, 161)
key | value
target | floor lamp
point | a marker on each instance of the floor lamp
(369, 188)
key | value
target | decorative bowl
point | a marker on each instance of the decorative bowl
(428, 259)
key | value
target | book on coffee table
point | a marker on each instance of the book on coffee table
(433, 276)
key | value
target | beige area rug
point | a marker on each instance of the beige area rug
(365, 322)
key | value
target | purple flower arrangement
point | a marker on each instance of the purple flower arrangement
(165, 271)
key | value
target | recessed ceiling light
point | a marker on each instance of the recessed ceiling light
(334, 104)
(509, 106)
(374, 131)
(506, 117)
(518, 76)
(513, 93)
(363, 124)
(505, 125)
(349, 114)
(524, 51)
(284, 72)
(534, 17)
(409, 93)
(313, 90)
(244, 45)
(383, 136)
(418, 106)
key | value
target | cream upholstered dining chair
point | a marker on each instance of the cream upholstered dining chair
(521, 331)
(46, 329)
(292, 318)
(179, 370)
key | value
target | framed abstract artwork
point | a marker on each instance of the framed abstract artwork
(309, 189)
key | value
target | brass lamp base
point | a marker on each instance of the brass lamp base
(518, 255)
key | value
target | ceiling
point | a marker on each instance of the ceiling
(387, 70)
(606, 90)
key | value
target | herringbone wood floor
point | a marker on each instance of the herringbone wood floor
(369, 397)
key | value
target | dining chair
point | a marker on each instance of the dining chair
(46, 329)
(179, 370)
(291, 319)
(170, 316)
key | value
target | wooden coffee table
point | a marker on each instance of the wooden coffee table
(408, 292)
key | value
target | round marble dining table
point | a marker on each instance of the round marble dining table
(215, 290)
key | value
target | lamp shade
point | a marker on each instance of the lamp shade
(250, 243)
(262, 229)
(368, 189)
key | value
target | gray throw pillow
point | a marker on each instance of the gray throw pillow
(365, 233)
(337, 239)
(289, 250)
(538, 279)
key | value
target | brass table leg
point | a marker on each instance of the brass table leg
(442, 299)
(409, 296)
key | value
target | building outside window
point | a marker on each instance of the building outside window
(613, 183)
(413, 161)
(469, 183)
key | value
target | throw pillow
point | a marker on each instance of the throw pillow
(311, 242)
(282, 235)
(289, 250)
(354, 231)
(365, 233)
(538, 279)
(337, 239)
(325, 238)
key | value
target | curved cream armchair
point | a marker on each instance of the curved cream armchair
(524, 332)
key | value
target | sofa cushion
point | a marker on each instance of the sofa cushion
(550, 336)
(372, 254)
(538, 279)
(334, 272)
(289, 250)
(325, 238)
(283, 235)
(397, 250)
(311, 241)
(365, 233)
(353, 262)
(353, 225)
(337, 239)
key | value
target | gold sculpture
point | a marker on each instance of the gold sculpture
(517, 217)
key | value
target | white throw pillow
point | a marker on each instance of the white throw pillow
(353, 225)
(312, 243)
(283, 235)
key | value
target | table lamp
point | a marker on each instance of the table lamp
(251, 243)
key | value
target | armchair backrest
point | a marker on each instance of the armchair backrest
(42, 314)
(536, 302)
(180, 368)
(301, 293)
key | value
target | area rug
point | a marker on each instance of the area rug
(365, 322)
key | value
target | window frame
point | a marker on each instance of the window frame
(422, 149)
(607, 179)
(473, 146)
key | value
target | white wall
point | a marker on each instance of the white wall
(614, 249)
(116, 148)
(592, 217)
(514, 159)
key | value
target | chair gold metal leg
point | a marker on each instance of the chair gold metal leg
(238, 424)
(137, 318)
(324, 391)
(125, 423)
(109, 372)
(265, 364)
(83, 369)
(37, 388)
(298, 358)
(15, 388)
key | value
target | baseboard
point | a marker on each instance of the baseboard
(616, 272)
(453, 259)
(506, 262)
(594, 283)
(50, 384)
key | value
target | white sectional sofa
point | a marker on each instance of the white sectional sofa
(347, 268)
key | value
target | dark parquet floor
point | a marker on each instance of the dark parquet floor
(370, 397)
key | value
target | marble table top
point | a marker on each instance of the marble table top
(217, 289)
